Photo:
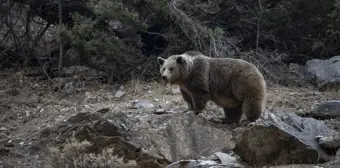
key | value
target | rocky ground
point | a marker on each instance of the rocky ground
(144, 122)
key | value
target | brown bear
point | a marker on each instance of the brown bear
(233, 84)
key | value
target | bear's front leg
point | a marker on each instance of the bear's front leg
(186, 96)
(199, 102)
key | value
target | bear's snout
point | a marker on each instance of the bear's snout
(164, 78)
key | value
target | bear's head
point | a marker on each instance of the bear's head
(175, 69)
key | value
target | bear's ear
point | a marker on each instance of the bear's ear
(160, 60)
(180, 60)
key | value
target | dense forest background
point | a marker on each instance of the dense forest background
(123, 38)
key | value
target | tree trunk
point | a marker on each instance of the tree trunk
(60, 38)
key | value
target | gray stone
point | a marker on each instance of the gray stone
(324, 74)
(201, 164)
(329, 142)
(103, 110)
(102, 131)
(225, 158)
(161, 111)
(193, 164)
(120, 92)
(228, 160)
(145, 104)
(282, 138)
(326, 110)
(180, 136)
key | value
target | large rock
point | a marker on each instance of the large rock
(103, 129)
(324, 74)
(152, 140)
(283, 138)
(181, 135)
(326, 110)
(329, 142)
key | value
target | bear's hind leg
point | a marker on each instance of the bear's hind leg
(232, 114)
(187, 99)
(253, 108)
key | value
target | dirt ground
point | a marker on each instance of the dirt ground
(27, 105)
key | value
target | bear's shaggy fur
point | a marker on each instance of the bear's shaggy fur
(233, 84)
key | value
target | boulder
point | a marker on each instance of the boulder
(152, 140)
(326, 110)
(324, 74)
(103, 131)
(330, 142)
(282, 138)
(180, 135)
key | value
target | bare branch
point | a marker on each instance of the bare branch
(37, 38)
(202, 38)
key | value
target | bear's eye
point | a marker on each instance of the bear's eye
(170, 69)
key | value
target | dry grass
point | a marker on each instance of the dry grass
(134, 86)
(74, 155)
(298, 99)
